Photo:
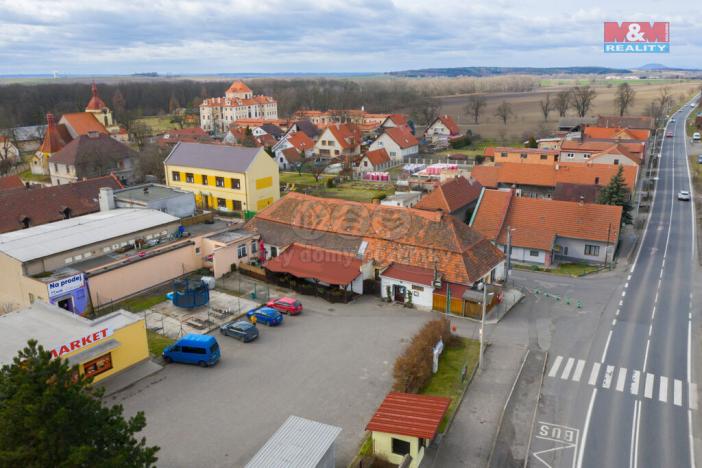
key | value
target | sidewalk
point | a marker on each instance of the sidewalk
(469, 440)
(129, 377)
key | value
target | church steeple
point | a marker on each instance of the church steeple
(52, 139)
(95, 103)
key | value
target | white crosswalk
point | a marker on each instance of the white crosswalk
(660, 388)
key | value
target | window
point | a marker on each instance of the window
(586, 155)
(98, 365)
(365, 163)
(222, 203)
(176, 176)
(194, 350)
(533, 253)
(241, 251)
(55, 167)
(204, 179)
(400, 447)
(616, 161)
(417, 288)
(254, 247)
(189, 177)
(236, 184)
(570, 155)
(237, 205)
(274, 251)
(219, 181)
(543, 157)
(597, 181)
(503, 155)
(523, 155)
(592, 250)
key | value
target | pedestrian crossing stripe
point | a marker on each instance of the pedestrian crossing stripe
(615, 378)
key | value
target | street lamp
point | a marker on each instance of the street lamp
(482, 323)
(509, 252)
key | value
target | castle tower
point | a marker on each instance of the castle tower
(99, 109)
(52, 143)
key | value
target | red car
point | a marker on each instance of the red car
(286, 305)
(669, 134)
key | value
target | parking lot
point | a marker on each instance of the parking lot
(332, 364)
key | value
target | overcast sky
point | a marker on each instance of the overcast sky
(239, 36)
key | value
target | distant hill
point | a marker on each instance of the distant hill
(497, 71)
(653, 66)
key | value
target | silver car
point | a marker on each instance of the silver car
(684, 195)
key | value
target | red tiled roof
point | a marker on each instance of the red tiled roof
(617, 133)
(410, 273)
(493, 206)
(625, 121)
(503, 149)
(597, 146)
(10, 182)
(377, 157)
(266, 140)
(399, 119)
(392, 234)
(345, 135)
(489, 152)
(450, 124)
(85, 150)
(328, 266)
(451, 195)
(46, 204)
(83, 123)
(52, 138)
(301, 141)
(402, 136)
(238, 87)
(544, 175)
(537, 222)
(95, 102)
(409, 414)
(292, 155)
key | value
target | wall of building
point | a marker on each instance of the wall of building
(182, 205)
(382, 447)
(15, 289)
(525, 157)
(524, 255)
(206, 195)
(613, 159)
(576, 250)
(422, 299)
(130, 279)
(263, 178)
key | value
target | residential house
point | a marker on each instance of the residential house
(222, 177)
(525, 155)
(239, 102)
(394, 120)
(270, 129)
(398, 142)
(305, 126)
(569, 124)
(539, 180)
(602, 152)
(24, 207)
(626, 121)
(89, 156)
(576, 192)
(545, 232)
(8, 150)
(378, 236)
(289, 158)
(457, 197)
(616, 133)
(27, 139)
(11, 182)
(442, 130)
(189, 135)
(550, 143)
(375, 160)
(293, 145)
(338, 141)
(404, 199)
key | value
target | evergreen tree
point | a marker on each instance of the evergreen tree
(532, 143)
(617, 193)
(53, 417)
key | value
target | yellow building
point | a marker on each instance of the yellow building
(100, 348)
(526, 155)
(222, 177)
(405, 425)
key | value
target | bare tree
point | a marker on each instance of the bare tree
(582, 97)
(474, 107)
(173, 104)
(665, 100)
(138, 132)
(425, 110)
(504, 112)
(546, 106)
(624, 97)
(150, 162)
(317, 169)
(562, 102)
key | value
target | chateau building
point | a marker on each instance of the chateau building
(239, 102)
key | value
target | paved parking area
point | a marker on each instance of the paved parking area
(332, 364)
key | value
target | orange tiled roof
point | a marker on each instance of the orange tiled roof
(505, 149)
(450, 124)
(392, 234)
(52, 138)
(377, 157)
(238, 87)
(402, 136)
(451, 195)
(617, 133)
(399, 119)
(537, 222)
(345, 135)
(301, 141)
(95, 102)
(83, 123)
(542, 175)
(597, 146)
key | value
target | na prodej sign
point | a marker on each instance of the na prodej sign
(636, 37)
(82, 342)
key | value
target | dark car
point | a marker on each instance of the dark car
(266, 315)
(241, 330)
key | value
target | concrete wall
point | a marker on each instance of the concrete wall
(382, 447)
(523, 255)
(182, 205)
(130, 279)
(15, 288)
(421, 300)
(576, 250)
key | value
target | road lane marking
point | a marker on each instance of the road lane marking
(677, 392)
(628, 278)
(604, 352)
(663, 389)
(555, 366)
(692, 395)
(586, 428)
(634, 388)
(614, 322)
(648, 387)
(633, 437)
(607, 381)
(594, 373)
(648, 343)
(626, 285)
(621, 380)
(621, 303)
(650, 329)
(578, 370)
(617, 314)
(567, 368)
(638, 425)
(623, 293)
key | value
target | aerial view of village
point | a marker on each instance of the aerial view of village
(319, 234)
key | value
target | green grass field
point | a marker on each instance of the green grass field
(304, 179)
(29, 177)
(447, 381)
(141, 303)
(157, 342)
(159, 123)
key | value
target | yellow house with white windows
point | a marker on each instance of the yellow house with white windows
(222, 177)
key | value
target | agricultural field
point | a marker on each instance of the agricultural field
(527, 117)
(159, 123)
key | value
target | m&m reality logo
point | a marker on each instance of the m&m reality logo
(636, 37)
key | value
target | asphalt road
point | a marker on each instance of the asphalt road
(628, 397)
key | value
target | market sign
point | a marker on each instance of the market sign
(82, 342)
(65, 285)
(632, 37)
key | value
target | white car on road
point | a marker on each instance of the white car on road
(684, 195)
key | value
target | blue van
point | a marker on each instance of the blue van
(202, 350)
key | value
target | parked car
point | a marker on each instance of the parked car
(699, 159)
(669, 134)
(696, 136)
(672, 120)
(266, 315)
(193, 348)
(286, 305)
(241, 330)
(684, 195)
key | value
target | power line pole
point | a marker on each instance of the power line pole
(482, 325)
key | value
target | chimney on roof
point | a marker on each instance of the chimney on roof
(106, 199)
(582, 200)
(93, 134)
(146, 190)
